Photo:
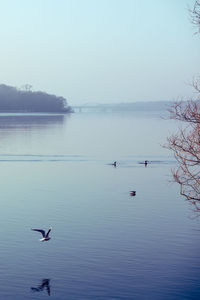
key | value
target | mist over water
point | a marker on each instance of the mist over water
(55, 170)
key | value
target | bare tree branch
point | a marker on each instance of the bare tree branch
(195, 15)
(185, 145)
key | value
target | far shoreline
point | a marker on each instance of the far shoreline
(34, 113)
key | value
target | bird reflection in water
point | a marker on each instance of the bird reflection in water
(43, 286)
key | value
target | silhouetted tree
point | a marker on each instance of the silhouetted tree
(186, 147)
(185, 144)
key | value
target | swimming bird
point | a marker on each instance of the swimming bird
(114, 164)
(132, 193)
(45, 235)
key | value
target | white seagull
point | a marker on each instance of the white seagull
(45, 235)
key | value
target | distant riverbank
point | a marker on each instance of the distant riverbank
(13, 100)
(148, 106)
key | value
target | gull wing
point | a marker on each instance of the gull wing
(48, 232)
(39, 230)
(48, 290)
(35, 289)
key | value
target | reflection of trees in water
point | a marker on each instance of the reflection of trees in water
(29, 121)
(15, 127)
(43, 286)
(12, 124)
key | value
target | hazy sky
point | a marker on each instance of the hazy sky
(100, 50)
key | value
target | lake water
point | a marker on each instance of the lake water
(56, 171)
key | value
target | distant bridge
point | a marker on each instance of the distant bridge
(132, 106)
(92, 107)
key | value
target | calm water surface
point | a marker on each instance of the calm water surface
(55, 171)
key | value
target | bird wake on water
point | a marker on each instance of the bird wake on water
(45, 236)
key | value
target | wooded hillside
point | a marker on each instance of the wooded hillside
(14, 100)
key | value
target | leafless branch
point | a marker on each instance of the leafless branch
(195, 15)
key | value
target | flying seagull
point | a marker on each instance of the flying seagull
(45, 235)
(42, 286)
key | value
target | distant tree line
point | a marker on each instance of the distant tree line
(15, 100)
(142, 106)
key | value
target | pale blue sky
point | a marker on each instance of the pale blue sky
(100, 50)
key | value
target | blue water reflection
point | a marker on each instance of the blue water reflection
(105, 244)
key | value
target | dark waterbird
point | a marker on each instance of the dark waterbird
(114, 164)
(42, 286)
(45, 236)
(132, 193)
(144, 163)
